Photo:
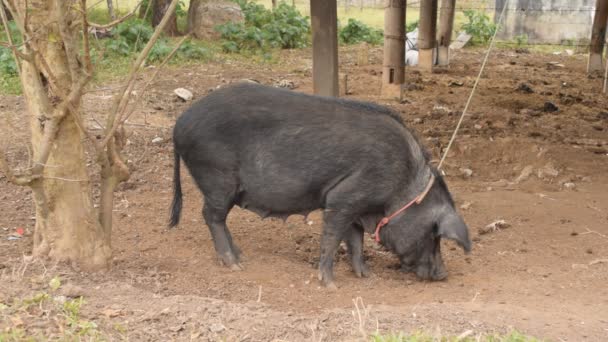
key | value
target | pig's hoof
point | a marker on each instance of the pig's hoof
(237, 267)
(363, 273)
(361, 270)
(331, 286)
(327, 281)
(230, 261)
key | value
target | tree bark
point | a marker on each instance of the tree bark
(159, 7)
(67, 224)
(9, 16)
(111, 9)
(194, 4)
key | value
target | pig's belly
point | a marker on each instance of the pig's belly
(278, 200)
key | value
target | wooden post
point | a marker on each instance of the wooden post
(427, 36)
(446, 20)
(393, 71)
(324, 19)
(598, 36)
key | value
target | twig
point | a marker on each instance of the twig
(145, 125)
(119, 20)
(589, 231)
(85, 38)
(66, 179)
(361, 318)
(112, 122)
(156, 72)
(259, 294)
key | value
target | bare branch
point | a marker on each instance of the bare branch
(117, 21)
(156, 72)
(68, 44)
(85, 38)
(112, 122)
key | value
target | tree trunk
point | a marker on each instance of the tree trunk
(9, 16)
(159, 7)
(111, 9)
(194, 4)
(67, 225)
(274, 4)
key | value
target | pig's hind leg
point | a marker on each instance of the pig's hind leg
(354, 241)
(219, 190)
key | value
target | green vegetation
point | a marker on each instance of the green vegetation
(409, 27)
(264, 29)
(9, 80)
(480, 26)
(521, 40)
(357, 32)
(62, 313)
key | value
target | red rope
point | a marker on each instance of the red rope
(417, 200)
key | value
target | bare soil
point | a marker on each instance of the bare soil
(543, 172)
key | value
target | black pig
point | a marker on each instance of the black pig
(279, 153)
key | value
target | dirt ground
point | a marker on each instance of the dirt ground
(516, 159)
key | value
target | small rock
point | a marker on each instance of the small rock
(524, 88)
(455, 84)
(466, 205)
(477, 126)
(548, 171)
(555, 65)
(157, 140)
(550, 107)
(216, 328)
(569, 185)
(111, 313)
(494, 226)
(418, 121)
(569, 52)
(71, 291)
(467, 173)
(525, 174)
(598, 127)
(289, 84)
(184, 94)
(439, 111)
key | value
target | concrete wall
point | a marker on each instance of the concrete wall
(547, 21)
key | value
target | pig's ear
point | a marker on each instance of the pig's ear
(452, 226)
